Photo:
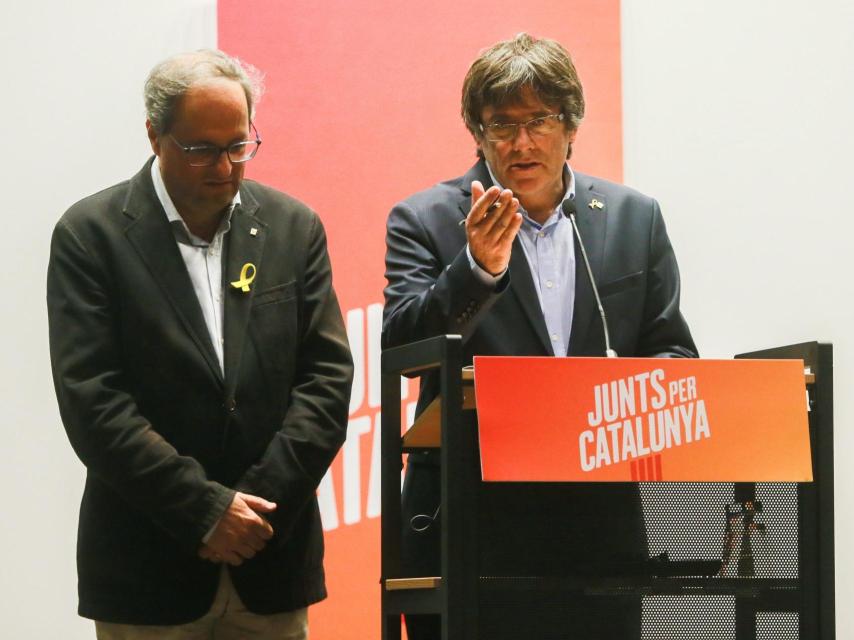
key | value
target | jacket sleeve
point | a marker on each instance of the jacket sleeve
(664, 332)
(114, 441)
(315, 422)
(423, 296)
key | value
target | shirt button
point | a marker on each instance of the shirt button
(542, 234)
(549, 284)
(554, 337)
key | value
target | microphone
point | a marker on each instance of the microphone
(568, 207)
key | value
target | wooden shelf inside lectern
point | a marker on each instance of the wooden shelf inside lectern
(426, 431)
(401, 584)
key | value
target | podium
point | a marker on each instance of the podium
(705, 577)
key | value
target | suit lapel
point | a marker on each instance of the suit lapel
(478, 172)
(245, 246)
(592, 222)
(521, 280)
(522, 284)
(151, 235)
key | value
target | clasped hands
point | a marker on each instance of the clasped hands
(491, 227)
(241, 532)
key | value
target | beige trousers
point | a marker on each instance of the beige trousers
(227, 619)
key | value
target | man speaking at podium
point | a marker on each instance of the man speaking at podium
(491, 255)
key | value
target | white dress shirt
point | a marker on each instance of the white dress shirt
(203, 260)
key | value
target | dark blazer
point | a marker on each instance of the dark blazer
(166, 439)
(431, 290)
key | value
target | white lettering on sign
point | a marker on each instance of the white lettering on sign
(641, 415)
(343, 495)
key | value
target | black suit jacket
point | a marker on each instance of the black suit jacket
(166, 439)
(431, 290)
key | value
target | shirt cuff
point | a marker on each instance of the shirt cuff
(484, 276)
(211, 530)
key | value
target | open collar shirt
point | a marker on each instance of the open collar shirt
(550, 251)
(203, 259)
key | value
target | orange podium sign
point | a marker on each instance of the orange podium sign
(641, 419)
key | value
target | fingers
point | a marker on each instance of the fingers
(266, 531)
(206, 552)
(481, 201)
(491, 251)
(496, 223)
(241, 551)
(505, 216)
(252, 534)
(233, 555)
(245, 551)
(496, 217)
(255, 544)
(512, 228)
(241, 532)
(256, 534)
(259, 505)
(491, 226)
(493, 208)
(255, 524)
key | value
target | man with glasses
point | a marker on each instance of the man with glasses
(491, 256)
(203, 375)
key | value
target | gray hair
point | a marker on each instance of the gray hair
(169, 80)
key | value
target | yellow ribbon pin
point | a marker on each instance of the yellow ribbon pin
(245, 278)
(595, 204)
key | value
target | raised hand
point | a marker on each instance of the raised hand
(491, 226)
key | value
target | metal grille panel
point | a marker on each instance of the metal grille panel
(777, 626)
(689, 618)
(689, 521)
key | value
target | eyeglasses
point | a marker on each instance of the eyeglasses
(205, 155)
(536, 127)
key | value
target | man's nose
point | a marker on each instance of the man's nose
(223, 164)
(523, 139)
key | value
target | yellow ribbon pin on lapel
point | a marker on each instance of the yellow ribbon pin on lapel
(595, 204)
(245, 278)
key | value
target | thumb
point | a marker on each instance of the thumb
(259, 505)
(477, 191)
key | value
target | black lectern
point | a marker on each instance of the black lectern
(728, 561)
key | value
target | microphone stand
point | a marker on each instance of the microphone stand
(569, 210)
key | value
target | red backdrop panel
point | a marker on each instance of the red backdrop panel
(361, 110)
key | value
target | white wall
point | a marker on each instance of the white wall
(73, 123)
(737, 117)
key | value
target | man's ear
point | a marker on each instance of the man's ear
(571, 139)
(478, 146)
(153, 138)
